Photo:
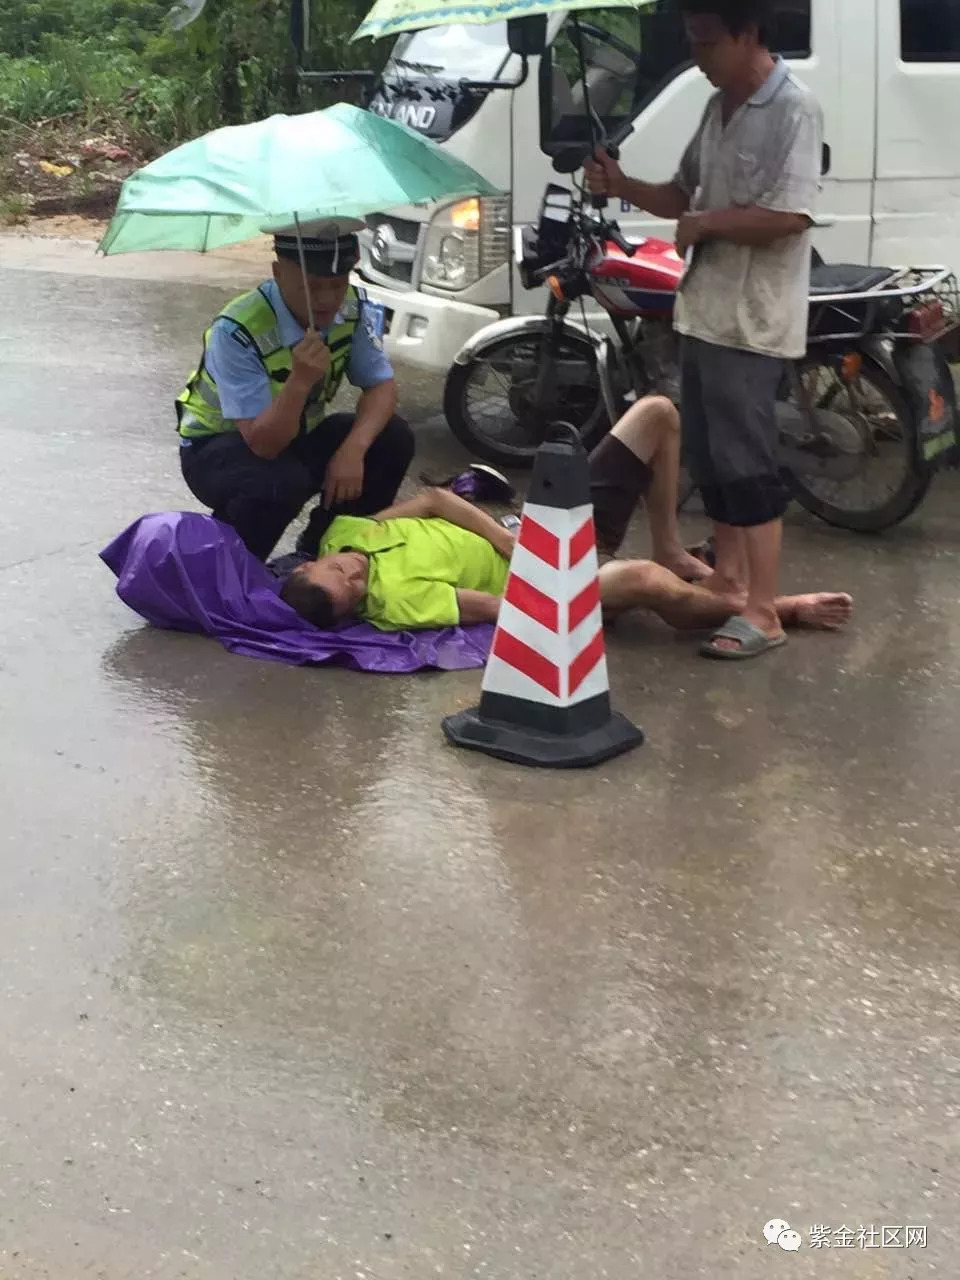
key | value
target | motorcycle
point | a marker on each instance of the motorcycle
(865, 419)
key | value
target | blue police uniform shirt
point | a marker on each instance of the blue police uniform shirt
(241, 379)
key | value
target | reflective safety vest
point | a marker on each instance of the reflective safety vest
(198, 406)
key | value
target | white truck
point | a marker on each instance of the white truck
(887, 73)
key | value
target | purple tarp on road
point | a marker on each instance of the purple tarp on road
(188, 572)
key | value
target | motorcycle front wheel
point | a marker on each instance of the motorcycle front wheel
(883, 482)
(490, 406)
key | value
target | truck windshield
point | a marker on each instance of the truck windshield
(455, 52)
(424, 85)
(629, 55)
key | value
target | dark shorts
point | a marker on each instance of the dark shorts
(619, 482)
(730, 437)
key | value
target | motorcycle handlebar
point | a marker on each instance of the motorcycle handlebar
(604, 230)
(598, 228)
(615, 235)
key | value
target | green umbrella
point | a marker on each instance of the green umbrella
(390, 17)
(235, 183)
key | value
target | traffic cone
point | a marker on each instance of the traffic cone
(546, 692)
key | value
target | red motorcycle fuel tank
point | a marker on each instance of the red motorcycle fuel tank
(644, 285)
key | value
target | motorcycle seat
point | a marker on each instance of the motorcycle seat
(841, 277)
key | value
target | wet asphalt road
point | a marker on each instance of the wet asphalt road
(291, 989)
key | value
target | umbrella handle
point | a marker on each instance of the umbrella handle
(303, 270)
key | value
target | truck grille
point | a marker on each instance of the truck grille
(389, 249)
(496, 234)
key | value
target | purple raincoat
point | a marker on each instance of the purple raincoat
(188, 572)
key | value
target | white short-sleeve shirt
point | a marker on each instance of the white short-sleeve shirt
(769, 155)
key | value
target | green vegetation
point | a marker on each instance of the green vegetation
(118, 67)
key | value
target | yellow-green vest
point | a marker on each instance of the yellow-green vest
(198, 406)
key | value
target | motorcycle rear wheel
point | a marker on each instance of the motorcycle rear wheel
(488, 401)
(893, 447)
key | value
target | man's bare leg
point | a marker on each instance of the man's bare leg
(761, 545)
(651, 431)
(764, 544)
(731, 569)
(641, 584)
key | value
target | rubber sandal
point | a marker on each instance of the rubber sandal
(753, 642)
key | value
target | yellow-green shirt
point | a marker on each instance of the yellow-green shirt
(416, 569)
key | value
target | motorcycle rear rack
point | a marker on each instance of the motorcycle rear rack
(861, 315)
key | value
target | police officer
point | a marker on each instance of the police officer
(257, 443)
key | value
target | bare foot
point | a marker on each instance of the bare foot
(821, 611)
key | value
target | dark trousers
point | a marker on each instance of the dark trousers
(730, 436)
(260, 497)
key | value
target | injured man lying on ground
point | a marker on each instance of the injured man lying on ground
(438, 561)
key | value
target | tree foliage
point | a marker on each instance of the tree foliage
(121, 60)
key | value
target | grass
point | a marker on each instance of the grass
(77, 69)
(97, 87)
(15, 207)
(52, 100)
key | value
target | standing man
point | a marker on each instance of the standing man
(256, 439)
(744, 198)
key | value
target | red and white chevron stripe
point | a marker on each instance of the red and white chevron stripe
(549, 644)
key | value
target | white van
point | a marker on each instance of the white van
(887, 73)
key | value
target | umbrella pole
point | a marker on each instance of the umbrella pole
(303, 271)
(599, 202)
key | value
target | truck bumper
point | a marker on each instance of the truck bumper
(426, 332)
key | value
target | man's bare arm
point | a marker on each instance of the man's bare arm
(278, 426)
(443, 505)
(272, 431)
(448, 506)
(477, 606)
(418, 508)
(751, 226)
(604, 177)
(664, 199)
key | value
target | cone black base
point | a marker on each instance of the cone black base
(543, 750)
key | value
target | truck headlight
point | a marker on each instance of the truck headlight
(467, 241)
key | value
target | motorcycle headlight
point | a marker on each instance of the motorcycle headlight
(467, 241)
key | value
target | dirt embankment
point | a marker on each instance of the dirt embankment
(56, 174)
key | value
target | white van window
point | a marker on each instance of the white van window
(930, 30)
(630, 56)
(792, 34)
